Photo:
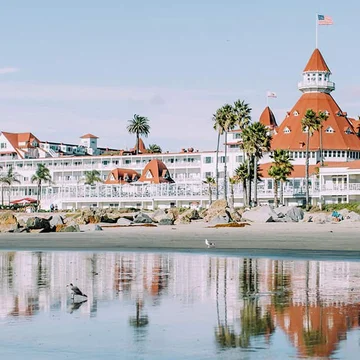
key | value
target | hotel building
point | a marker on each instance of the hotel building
(176, 179)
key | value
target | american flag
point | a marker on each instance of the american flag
(325, 20)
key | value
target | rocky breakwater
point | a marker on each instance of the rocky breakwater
(220, 213)
(265, 214)
(17, 223)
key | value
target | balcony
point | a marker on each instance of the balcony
(308, 86)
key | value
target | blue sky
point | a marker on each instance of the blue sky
(70, 69)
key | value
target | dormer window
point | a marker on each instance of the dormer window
(287, 130)
(326, 113)
(348, 131)
(296, 113)
(149, 175)
(339, 113)
(329, 130)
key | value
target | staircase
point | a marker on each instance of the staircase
(53, 153)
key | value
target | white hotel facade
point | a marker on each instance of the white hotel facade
(337, 181)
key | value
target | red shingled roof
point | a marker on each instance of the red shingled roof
(88, 136)
(338, 140)
(118, 176)
(156, 172)
(298, 172)
(316, 62)
(267, 118)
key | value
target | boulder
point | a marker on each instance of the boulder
(88, 216)
(219, 220)
(55, 220)
(8, 222)
(71, 228)
(290, 213)
(142, 218)
(261, 214)
(110, 218)
(158, 215)
(166, 221)
(352, 217)
(124, 221)
(187, 216)
(219, 209)
(37, 223)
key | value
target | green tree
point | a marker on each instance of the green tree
(323, 116)
(42, 175)
(242, 175)
(139, 125)
(280, 170)
(256, 140)
(232, 181)
(242, 116)
(92, 177)
(9, 179)
(309, 123)
(210, 181)
(154, 149)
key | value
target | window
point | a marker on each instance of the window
(237, 136)
(208, 160)
(301, 155)
(348, 131)
(296, 113)
(208, 174)
(296, 154)
(222, 159)
(338, 153)
(239, 158)
(325, 153)
(343, 153)
(3, 145)
(313, 154)
(127, 162)
(329, 130)
(287, 130)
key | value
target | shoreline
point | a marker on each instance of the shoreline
(277, 239)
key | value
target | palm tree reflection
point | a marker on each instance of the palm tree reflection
(139, 322)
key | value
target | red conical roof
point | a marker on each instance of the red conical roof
(267, 118)
(338, 133)
(316, 62)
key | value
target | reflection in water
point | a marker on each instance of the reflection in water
(250, 304)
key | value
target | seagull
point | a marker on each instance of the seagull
(209, 244)
(76, 291)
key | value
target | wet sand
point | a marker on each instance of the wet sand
(342, 239)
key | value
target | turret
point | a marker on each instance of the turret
(316, 75)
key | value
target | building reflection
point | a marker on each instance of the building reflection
(314, 303)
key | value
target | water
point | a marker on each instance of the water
(177, 306)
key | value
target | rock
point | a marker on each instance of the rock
(166, 221)
(8, 222)
(219, 209)
(352, 217)
(187, 216)
(219, 220)
(98, 228)
(55, 220)
(110, 218)
(142, 218)
(71, 228)
(36, 223)
(295, 214)
(88, 216)
(344, 212)
(261, 214)
(158, 215)
(124, 221)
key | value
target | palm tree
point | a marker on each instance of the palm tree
(92, 177)
(241, 173)
(154, 149)
(232, 181)
(309, 123)
(139, 125)
(279, 171)
(323, 116)
(8, 179)
(242, 116)
(41, 175)
(210, 181)
(256, 140)
(219, 124)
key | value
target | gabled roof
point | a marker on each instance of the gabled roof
(25, 139)
(88, 136)
(142, 147)
(267, 118)
(316, 62)
(156, 172)
(338, 140)
(118, 176)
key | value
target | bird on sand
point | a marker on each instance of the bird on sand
(76, 291)
(209, 244)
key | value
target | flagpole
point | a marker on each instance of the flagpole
(316, 32)
(267, 99)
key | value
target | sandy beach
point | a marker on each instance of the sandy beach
(340, 239)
